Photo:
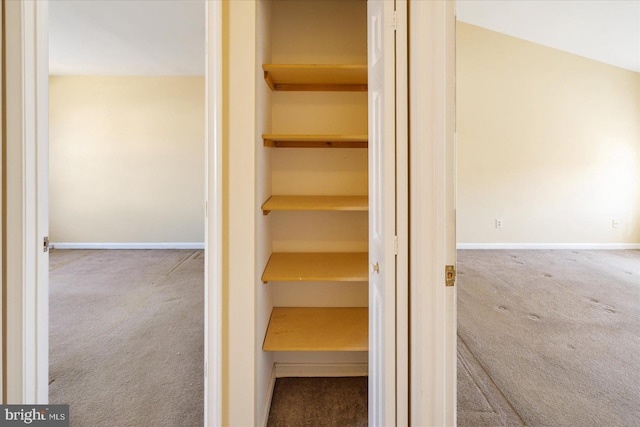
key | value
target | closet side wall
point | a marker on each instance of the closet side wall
(264, 302)
(239, 316)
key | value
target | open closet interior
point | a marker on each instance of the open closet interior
(312, 204)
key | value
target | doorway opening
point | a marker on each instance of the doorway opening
(127, 210)
(312, 206)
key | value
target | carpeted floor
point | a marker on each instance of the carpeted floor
(306, 402)
(549, 338)
(126, 336)
(545, 338)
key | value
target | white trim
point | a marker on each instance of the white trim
(402, 214)
(26, 268)
(14, 208)
(270, 388)
(579, 246)
(163, 245)
(432, 212)
(213, 218)
(283, 370)
(41, 172)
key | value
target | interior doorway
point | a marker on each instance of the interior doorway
(127, 208)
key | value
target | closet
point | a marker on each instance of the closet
(313, 185)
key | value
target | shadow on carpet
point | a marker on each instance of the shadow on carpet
(299, 402)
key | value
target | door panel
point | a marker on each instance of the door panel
(382, 381)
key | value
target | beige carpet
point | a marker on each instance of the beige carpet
(549, 338)
(546, 338)
(126, 336)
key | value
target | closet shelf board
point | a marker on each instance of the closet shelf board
(317, 266)
(315, 203)
(315, 141)
(318, 329)
(316, 77)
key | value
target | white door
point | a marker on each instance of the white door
(382, 272)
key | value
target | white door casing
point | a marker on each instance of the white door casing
(402, 213)
(432, 213)
(213, 219)
(26, 221)
(42, 199)
(382, 271)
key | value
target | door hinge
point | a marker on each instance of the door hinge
(395, 245)
(45, 244)
(395, 20)
(450, 275)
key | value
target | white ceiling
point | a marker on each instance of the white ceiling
(167, 37)
(607, 31)
(127, 37)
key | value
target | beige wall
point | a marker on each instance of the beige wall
(126, 159)
(547, 141)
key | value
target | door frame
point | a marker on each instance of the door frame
(432, 212)
(213, 218)
(402, 339)
(25, 314)
(25, 221)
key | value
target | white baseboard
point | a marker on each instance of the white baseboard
(272, 385)
(321, 370)
(581, 246)
(177, 245)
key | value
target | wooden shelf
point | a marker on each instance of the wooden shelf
(318, 329)
(321, 266)
(315, 203)
(316, 77)
(315, 141)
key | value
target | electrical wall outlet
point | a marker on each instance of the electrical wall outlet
(499, 223)
(615, 223)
